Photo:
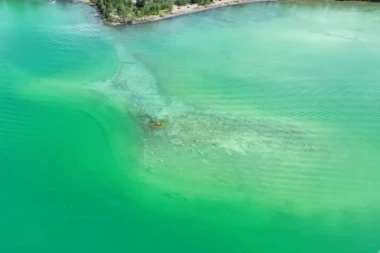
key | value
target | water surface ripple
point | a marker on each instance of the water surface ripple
(270, 140)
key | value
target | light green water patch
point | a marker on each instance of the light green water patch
(261, 57)
(276, 158)
(254, 109)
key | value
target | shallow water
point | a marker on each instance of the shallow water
(270, 140)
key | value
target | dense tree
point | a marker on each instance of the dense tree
(129, 9)
(126, 10)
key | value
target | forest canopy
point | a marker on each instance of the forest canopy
(130, 9)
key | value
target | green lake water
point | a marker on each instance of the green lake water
(271, 137)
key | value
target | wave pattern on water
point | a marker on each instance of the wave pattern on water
(253, 159)
(277, 155)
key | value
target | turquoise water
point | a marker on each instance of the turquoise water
(270, 140)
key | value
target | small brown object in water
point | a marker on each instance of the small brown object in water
(156, 125)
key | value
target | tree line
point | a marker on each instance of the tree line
(127, 10)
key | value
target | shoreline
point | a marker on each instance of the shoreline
(188, 9)
(194, 8)
(177, 11)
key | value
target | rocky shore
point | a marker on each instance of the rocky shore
(180, 10)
